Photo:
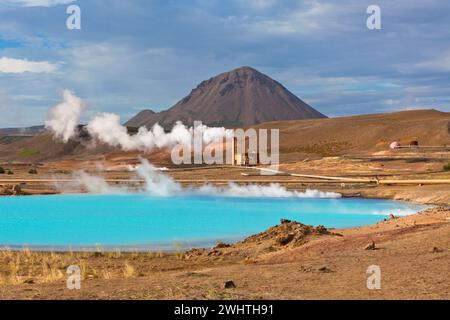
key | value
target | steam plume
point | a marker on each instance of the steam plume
(160, 185)
(274, 190)
(157, 184)
(65, 117)
(106, 128)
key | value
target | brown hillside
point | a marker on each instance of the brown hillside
(361, 134)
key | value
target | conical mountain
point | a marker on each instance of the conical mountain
(238, 98)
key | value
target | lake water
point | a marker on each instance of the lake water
(137, 221)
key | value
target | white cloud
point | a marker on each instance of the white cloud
(9, 65)
(440, 63)
(311, 17)
(41, 3)
(261, 4)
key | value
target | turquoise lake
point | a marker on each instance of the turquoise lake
(138, 221)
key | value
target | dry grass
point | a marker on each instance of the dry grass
(129, 271)
(178, 250)
(107, 275)
(27, 266)
(117, 254)
(135, 255)
(17, 267)
(50, 273)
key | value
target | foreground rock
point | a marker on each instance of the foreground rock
(370, 246)
(229, 285)
(288, 234)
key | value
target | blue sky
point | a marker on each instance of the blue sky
(138, 54)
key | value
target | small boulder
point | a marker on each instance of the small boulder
(436, 250)
(221, 245)
(325, 270)
(321, 230)
(370, 246)
(229, 284)
(285, 239)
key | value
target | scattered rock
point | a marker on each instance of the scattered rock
(222, 245)
(194, 253)
(285, 239)
(370, 246)
(229, 284)
(6, 190)
(321, 230)
(28, 281)
(305, 269)
(214, 253)
(436, 250)
(325, 270)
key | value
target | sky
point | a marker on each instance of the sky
(148, 54)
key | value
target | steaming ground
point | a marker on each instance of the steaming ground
(160, 185)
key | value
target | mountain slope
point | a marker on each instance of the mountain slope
(241, 97)
(362, 133)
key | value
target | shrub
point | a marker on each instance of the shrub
(2, 171)
(32, 171)
(9, 172)
(447, 167)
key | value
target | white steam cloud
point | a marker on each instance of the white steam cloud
(274, 190)
(159, 185)
(106, 128)
(65, 117)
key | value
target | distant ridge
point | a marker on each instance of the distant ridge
(26, 131)
(241, 97)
